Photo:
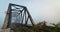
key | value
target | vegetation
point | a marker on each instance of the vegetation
(40, 27)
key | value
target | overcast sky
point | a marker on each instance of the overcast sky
(40, 10)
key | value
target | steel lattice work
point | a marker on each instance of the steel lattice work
(17, 14)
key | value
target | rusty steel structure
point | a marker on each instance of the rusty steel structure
(17, 14)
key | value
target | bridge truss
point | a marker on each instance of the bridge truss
(17, 14)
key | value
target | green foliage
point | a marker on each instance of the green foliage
(57, 27)
(40, 27)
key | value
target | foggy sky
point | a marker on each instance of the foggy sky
(40, 10)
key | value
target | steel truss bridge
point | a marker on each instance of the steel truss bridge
(17, 14)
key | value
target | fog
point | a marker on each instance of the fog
(40, 10)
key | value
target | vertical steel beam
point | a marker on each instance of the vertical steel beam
(7, 18)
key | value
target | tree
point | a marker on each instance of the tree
(57, 27)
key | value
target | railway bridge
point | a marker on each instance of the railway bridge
(18, 16)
